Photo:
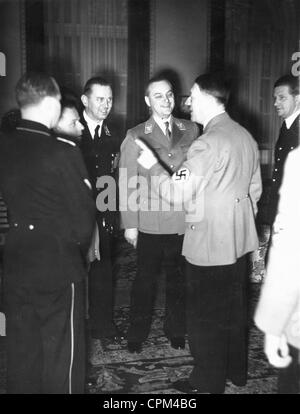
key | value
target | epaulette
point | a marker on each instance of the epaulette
(180, 125)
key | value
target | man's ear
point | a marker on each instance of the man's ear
(84, 100)
(147, 101)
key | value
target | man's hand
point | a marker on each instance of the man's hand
(146, 159)
(131, 235)
(277, 351)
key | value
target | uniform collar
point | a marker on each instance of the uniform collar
(290, 120)
(162, 122)
(92, 124)
(32, 126)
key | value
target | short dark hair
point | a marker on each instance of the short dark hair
(291, 81)
(97, 80)
(216, 85)
(33, 87)
(157, 78)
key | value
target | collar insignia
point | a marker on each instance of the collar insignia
(106, 130)
(180, 125)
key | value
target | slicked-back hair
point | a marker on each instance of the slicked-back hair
(215, 85)
(291, 81)
(97, 80)
(33, 87)
(158, 78)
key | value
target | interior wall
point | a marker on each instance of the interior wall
(179, 39)
(11, 41)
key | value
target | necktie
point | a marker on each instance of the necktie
(96, 134)
(168, 132)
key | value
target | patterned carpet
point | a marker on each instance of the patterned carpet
(113, 370)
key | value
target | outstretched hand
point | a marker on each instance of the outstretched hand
(146, 158)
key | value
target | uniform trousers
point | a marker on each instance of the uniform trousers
(45, 340)
(153, 251)
(100, 287)
(289, 377)
(217, 324)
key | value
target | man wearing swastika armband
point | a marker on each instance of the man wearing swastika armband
(223, 166)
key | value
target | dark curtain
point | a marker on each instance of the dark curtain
(138, 59)
(34, 32)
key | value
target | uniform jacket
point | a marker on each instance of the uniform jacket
(162, 219)
(278, 310)
(287, 141)
(220, 184)
(101, 159)
(51, 210)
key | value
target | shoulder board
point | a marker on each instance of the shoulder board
(66, 141)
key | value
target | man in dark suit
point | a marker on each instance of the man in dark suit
(51, 213)
(287, 104)
(153, 227)
(100, 149)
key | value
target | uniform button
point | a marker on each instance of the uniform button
(169, 155)
(278, 159)
(280, 148)
(276, 169)
(172, 166)
(15, 224)
(97, 166)
(192, 227)
(97, 155)
(31, 226)
(292, 147)
(274, 180)
(237, 200)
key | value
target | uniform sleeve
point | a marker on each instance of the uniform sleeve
(128, 182)
(77, 195)
(281, 288)
(191, 178)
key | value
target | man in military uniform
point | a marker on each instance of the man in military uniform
(156, 231)
(287, 104)
(51, 214)
(100, 149)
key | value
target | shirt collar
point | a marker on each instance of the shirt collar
(92, 124)
(162, 122)
(207, 120)
(290, 119)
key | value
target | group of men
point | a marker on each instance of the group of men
(196, 198)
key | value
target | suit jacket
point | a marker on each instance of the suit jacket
(140, 205)
(278, 310)
(51, 210)
(101, 159)
(219, 184)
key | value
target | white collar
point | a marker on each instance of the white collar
(207, 120)
(92, 124)
(162, 122)
(290, 119)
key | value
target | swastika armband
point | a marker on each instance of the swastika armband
(182, 174)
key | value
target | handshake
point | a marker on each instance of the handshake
(146, 158)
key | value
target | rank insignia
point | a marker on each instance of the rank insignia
(107, 131)
(180, 125)
(148, 128)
